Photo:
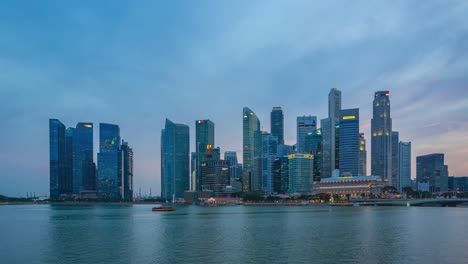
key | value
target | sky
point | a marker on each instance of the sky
(136, 63)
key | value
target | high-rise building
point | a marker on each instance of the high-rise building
(277, 123)
(305, 125)
(251, 132)
(313, 145)
(269, 148)
(193, 171)
(127, 168)
(327, 161)
(57, 157)
(362, 156)
(301, 173)
(215, 177)
(349, 142)
(334, 108)
(175, 172)
(381, 130)
(84, 168)
(280, 175)
(404, 165)
(109, 162)
(431, 170)
(231, 156)
(395, 159)
(284, 150)
(204, 143)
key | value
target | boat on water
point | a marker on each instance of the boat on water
(160, 208)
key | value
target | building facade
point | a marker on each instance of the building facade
(395, 159)
(175, 148)
(231, 156)
(127, 167)
(313, 145)
(362, 156)
(57, 158)
(404, 167)
(301, 173)
(277, 123)
(110, 173)
(349, 142)
(305, 125)
(251, 141)
(381, 130)
(84, 168)
(431, 169)
(269, 151)
(204, 143)
(215, 177)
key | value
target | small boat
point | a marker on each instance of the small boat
(160, 208)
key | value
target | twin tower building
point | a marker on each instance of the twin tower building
(73, 172)
(337, 148)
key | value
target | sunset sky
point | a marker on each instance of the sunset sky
(135, 63)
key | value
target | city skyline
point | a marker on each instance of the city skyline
(87, 80)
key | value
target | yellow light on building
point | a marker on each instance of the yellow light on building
(351, 117)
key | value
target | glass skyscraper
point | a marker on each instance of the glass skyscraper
(109, 162)
(381, 130)
(431, 169)
(362, 156)
(301, 173)
(84, 168)
(305, 125)
(330, 137)
(56, 157)
(127, 185)
(204, 143)
(405, 165)
(395, 159)
(231, 156)
(251, 142)
(269, 148)
(175, 168)
(313, 145)
(328, 163)
(349, 142)
(277, 123)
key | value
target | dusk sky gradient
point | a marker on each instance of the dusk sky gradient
(135, 63)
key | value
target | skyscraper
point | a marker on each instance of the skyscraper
(231, 156)
(193, 171)
(269, 148)
(56, 157)
(313, 145)
(349, 142)
(362, 156)
(334, 108)
(215, 177)
(381, 130)
(405, 165)
(175, 172)
(280, 175)
(328, 163)
(251, 128)
(204, 143)
(301, 173)
(305, 125)
(109, 162)
(127, 167)
(430, 169)
(84, 168)
(277, 123)
(395, 159)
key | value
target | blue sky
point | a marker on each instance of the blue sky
(134, 63)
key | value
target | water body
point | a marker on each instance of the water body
(240, 234)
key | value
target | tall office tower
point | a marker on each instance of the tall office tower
(109, 162)
(256, 183)
(430, 169)
(349, 142)
(269, 148)
(327, 165)
(127, 168)
(362, 156)
(193, 171)
(175, 147)
(231, 156)
(381, 130)
(305, 125)
(280, 175)
(301, 173)
(395, 159)
(204, 143)
(215, 177)
(405, 165)
(57, 157)
(334, 108)
(84, 168)
(284, 150)
(251, 128)
(277, 123)
(313, 145)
